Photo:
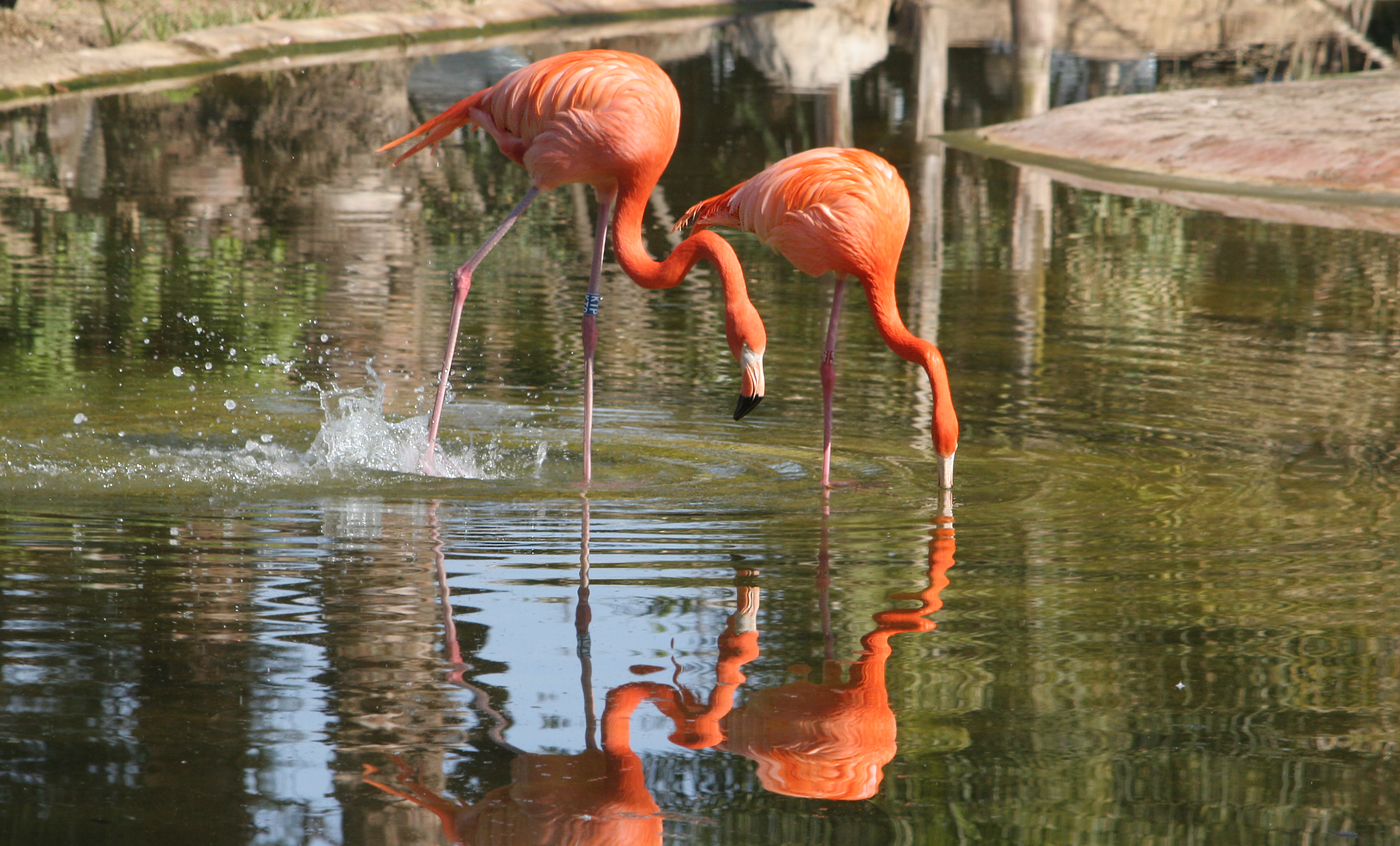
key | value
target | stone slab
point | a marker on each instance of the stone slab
(1335, 139)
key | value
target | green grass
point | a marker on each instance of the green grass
(158, 24)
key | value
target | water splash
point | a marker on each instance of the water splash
(356, 445)
(356, 435)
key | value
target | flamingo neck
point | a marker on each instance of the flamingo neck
(624, 771)
(893, 621)
(742, 324)
(879, 291)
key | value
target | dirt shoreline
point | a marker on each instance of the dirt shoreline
(419, 28)
(1321, 152)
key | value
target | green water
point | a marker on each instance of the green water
(1170, 616)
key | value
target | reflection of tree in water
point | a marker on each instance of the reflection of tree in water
(259, 189)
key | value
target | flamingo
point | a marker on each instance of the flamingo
(611, 120)
(847, 211)
(826, 740)
(597, 796)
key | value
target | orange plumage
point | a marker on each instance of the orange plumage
(582, 117)
(608, 119)
(845, 211)
(828, 209)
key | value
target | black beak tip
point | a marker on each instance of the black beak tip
(746, 404)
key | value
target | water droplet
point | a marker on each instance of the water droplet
(208, 365)
(79, 418)
(267, 439)
(230, 405)
(325, 338)
(178, 370)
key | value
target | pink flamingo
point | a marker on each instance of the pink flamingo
(845, 211)
(607, 119)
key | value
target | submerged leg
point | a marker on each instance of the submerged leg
(590, 326)
(829, 378)
(461, 285)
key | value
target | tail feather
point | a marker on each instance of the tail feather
(439, 127)
(712, 212)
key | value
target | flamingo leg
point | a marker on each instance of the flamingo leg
(583, 616)
(461, 285)
(829, 378)
(590, 325)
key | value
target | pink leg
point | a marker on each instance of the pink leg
(461, 284)
(590, 326)
(829, 378)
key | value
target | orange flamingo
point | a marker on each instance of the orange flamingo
(598, 796)
(827, 740)
(831, 740)
(845, 211)
(607, 119)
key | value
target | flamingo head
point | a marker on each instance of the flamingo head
(945, 441)
(945, 419)
(751, 386)
(747, 341)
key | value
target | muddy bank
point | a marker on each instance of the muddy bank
(1323, 152)
(412, 32)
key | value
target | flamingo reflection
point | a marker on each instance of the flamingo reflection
(823, 740)
(829, 739)
(597, 796)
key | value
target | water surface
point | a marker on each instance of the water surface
(1168, 614)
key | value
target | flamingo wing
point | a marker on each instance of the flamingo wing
(825, 209)
(577, 117)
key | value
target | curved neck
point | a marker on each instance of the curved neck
(893, 621)
(625, 780)
(631, 252)
(879, 292)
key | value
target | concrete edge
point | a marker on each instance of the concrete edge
(981, 141)
(191, 55)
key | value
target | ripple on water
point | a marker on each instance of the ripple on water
(357, 446)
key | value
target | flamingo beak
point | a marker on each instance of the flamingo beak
(751, 391)
(745, 405)
(945, 472)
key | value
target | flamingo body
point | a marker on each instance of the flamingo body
(828, 209)
(598, 796)
(844, 211)
(584, 117)
(608, 119)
